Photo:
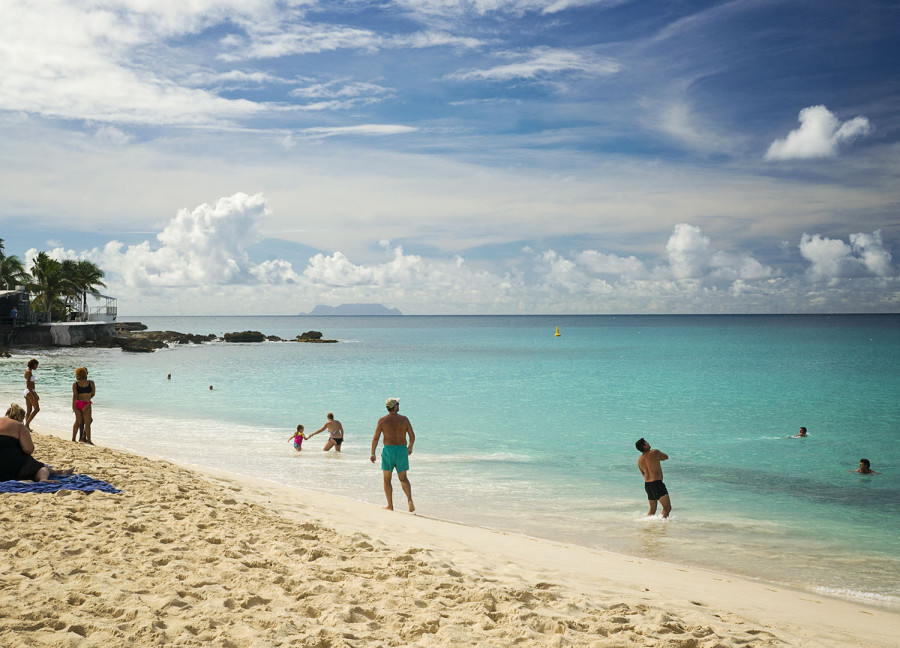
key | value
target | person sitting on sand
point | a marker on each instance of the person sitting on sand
(298, 438)
(801, 434)
(395, 453)
(31, 397)
(865, 468)
(650, 468)
(83, 391)
(335, 433)
(16, 447)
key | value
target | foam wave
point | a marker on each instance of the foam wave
(856, 595)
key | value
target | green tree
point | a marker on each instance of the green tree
(48, 286)
(81, 279)
(12, 271)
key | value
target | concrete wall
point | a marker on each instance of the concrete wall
(64, 334)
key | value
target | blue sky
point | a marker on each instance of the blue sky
(452, 156)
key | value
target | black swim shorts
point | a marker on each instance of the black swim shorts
(655, 490)
(337, 440)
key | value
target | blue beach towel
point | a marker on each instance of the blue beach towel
(65, 482)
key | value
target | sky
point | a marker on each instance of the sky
(220, 157)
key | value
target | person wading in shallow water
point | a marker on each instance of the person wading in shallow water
(652, 472)
(395, 453)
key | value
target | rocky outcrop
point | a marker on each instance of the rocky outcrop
(148, 341)
(312, 336)
(130, 326)
(245, 336)
(140, 345)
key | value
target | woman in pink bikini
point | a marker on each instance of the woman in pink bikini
(83, 391)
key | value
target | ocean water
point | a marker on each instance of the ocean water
(523, 431)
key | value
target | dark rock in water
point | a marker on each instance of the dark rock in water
(313, 336)
(130, 326)
(274, 338)
(245, 336)
(141, 345)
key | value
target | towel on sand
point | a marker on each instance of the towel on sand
(64, 482)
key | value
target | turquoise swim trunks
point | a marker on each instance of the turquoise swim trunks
(395, 456)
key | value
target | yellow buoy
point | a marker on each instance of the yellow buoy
(557, 332)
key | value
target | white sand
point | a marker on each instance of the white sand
(182, 558)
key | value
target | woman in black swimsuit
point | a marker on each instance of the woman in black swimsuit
(16, 447)
(83, 391)
(335, 433)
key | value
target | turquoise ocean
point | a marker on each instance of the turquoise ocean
(523, 431)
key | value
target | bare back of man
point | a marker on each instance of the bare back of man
(649, 465)
(398, 445)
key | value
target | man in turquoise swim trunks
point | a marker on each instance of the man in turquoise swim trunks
(396, 451)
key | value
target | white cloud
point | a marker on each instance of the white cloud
(688, 251)
(375, 130)
(200, 264)
(112, 135)
(291, 40)
(543, 62)
(834, 259)
(76, 62)
(612, 265)
(818, 136)
(206, 246)
(870, 250)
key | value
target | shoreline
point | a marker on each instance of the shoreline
(563, 594)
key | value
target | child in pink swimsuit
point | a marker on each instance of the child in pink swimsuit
(298, 438)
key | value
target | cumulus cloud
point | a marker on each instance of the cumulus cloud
(203, 246)
(688, 251)
(832, 259)
(199, 262)
(819, 135)
(612, 265)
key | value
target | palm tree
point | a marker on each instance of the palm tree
(48, 286)
(82, 278)
(12, 271)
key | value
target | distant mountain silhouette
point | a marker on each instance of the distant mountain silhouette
(352, 309)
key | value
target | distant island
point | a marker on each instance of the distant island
(352, 309)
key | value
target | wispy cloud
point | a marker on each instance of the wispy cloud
(542, 63)
(370, 130)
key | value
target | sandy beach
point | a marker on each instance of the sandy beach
(188, 558)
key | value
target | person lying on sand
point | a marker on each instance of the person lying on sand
(16, 447)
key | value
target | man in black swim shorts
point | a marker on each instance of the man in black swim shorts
(651, 469)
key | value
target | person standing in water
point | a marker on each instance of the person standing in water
(32, 400)
(865, 468)
(650, 468)
(335, 434)
(297, 438)
(395, 454)
(83, 391)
